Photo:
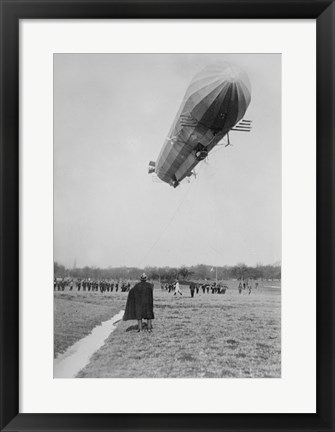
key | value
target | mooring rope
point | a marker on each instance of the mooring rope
(166, 227)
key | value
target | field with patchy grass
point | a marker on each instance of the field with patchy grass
(210, 335)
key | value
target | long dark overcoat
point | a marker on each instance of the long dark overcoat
(140, 303)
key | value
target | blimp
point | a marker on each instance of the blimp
(214, 104)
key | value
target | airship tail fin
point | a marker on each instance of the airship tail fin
(151, 167)
(243, 126)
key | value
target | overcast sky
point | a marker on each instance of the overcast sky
(112, 113)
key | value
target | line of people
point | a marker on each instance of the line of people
(215, 288)
(90, 285)
(104, 285)
(206, 288)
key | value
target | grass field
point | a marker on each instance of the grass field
(209, 335)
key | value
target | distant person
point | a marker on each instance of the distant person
(192, 288)
(177, 288)
(140, 304)
(240, 288)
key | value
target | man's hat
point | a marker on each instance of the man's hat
(143, 277)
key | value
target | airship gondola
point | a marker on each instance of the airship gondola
(214, 104)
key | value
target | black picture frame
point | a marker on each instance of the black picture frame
(14, 10)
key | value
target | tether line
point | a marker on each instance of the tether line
(168, 224)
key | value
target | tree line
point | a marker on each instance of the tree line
(198, 272)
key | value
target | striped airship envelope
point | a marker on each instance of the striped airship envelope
(218, 96)
(215, 101)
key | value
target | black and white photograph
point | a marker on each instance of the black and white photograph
(167, 215)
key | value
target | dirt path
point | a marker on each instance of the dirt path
(77, 356)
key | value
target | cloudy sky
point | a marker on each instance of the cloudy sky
(112, 113)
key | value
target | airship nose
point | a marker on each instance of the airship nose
(234, 75)
(222, 74)
(231, 71)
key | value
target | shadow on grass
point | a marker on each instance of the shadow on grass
(135, 327)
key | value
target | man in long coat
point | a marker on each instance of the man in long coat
(192, 288)
(140, 304)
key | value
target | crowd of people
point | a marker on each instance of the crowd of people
(246, 285)
(205, 288)
(104, 285)
(99, 285)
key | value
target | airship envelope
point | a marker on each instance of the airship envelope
(215, 101)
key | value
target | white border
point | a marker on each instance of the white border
(296, 390)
